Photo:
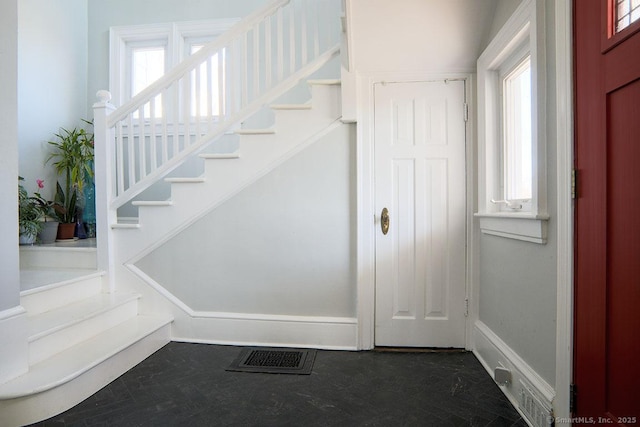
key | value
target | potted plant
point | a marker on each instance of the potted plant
(72, 157)
(49, 230)
(29, 216)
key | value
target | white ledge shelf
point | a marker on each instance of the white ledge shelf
(519, 226)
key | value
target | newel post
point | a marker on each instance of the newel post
(104, 142)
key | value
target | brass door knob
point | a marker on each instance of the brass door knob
(384, 221)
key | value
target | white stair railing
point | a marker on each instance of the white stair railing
(219, 86)
(224, 83)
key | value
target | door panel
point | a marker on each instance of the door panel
(623, 250)
(607, 248)
(420, 178)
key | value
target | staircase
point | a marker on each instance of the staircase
(79, 337)
(296, 126)
(96, 316)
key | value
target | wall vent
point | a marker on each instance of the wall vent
(537, 413)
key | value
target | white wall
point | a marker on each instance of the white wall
(410, 35)
(283, 246)
(52, 83)
(503, 10)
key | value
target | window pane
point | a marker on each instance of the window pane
(627, 12)
(205, 93)
(147, 67)
(517, 133)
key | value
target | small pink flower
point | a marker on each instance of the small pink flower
(40, 183)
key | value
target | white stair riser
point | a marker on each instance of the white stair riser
(61, 258)
(327, 99)
(294, 123)
(48, 345)
(77, 290)
(37, 407)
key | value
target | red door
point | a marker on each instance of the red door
(607, 269)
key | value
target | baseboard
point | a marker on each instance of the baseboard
(267, 330)
(254, 329)
(529, 393)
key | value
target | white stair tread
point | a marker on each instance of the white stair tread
(54, 320)
(219, 156)
(152, 203)
(324, 82)
(73, 362)
(290, 106)
(127, 225)
(193, 180)
(266, 131)
(36, 280)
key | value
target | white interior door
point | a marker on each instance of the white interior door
(420, 179)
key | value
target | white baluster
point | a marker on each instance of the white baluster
(120, 158)
(142, 145)
(292, 38)
(197, 114)
(303, 35)
(165, 133)
(186, 111)
(267, 53)
(316, 31)
(209, 97)
(280, 43)
(131, 155)
(256, 61)
(222, 59)
(153, 149)
(245, 70)
(176, 119)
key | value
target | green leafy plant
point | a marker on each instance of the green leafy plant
(72, 157)
(29, 213)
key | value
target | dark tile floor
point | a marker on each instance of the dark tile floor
(186, 385)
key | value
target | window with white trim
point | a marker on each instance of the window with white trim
(511, 129)
(517, 179)
(146, 63)
(140, 54)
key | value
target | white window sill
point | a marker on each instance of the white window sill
(516, 225)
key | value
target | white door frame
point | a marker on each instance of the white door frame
(366, 230)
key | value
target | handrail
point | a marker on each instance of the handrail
(193, 61)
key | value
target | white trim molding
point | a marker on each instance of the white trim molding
(492, 352)
(365, 190)
(564, 159)
(254, 329)
(519, 226)
(525, 29)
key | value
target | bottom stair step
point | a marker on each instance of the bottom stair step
(65, 379)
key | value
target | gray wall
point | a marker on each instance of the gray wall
(9, 273)
(518, 279)
(283, 246)
(52, 82)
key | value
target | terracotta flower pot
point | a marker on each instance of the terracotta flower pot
(66, 231)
